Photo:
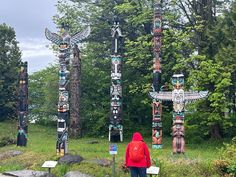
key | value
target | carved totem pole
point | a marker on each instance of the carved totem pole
(178, 96)
(65, 43)
(23, 105)
(156, 104)
(75, 124)
(116, 127)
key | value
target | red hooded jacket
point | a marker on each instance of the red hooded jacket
(145, 162)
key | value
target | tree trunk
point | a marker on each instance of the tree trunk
(215, 132)
(75, 122)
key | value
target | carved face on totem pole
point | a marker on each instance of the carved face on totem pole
(117, 39)
(116, 91)
(157, 24)
(116, 68)
(178, 96)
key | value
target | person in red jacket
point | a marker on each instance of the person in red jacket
(137, 156)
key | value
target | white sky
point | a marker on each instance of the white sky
(29, 18)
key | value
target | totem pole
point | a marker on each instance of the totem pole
(178, 96)
(65, 42)
(156, 104)
(75, 124)
(116, 127)
(23, 105)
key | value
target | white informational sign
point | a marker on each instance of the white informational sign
(153, 170)
(113, 149)
(49, 164)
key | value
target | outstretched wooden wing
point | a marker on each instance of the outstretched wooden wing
(53, 37)
(188, 96)
(191, 96)
(114, 30)
(80, 36)
(165, 96)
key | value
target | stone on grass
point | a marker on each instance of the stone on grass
(70, 159)
(102, 162)
(93, 142)
(28, 173)
(9, 154)
(76, 174)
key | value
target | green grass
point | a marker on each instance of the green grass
(197, 162)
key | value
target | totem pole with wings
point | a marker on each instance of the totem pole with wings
(179, 97)
(65, 42)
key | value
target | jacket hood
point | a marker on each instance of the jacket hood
(137, 137)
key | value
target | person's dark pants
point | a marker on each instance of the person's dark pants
(138, 172)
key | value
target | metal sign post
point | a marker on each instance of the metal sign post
(49, 165)
(113, 151)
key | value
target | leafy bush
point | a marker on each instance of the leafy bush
(192, 134)
(226, 165)
(7, 141)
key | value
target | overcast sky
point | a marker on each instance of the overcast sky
(29, 18)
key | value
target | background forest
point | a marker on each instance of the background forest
(199, 40)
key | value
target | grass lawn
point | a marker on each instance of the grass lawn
(198, 160)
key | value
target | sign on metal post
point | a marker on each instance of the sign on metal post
(113, 151)
(49, 165)
(153, 170)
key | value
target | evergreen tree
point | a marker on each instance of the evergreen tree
(10, 58)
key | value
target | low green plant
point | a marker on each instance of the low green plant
(4, 141)
(226, 164)
(11, 167)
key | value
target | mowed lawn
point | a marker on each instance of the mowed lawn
(197, 161)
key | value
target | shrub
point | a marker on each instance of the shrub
(226, 165)
(7, 141)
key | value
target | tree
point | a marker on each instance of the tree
(10, 58)
(43, 94)
(213, 67)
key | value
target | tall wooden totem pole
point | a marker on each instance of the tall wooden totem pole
(75, 122)
(23, 105)
(65, 43)
(116, 127)
(178, 96)
(156, 104)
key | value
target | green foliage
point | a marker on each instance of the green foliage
(227, 161)
(9, 69)
(7, 141)
(43, 95)
(167, 123)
